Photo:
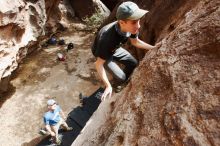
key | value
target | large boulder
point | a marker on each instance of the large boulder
(86, 8)
(22, 23)
(173, 96)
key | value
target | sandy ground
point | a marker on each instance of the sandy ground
(40, 77)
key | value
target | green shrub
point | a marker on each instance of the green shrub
(94, 21)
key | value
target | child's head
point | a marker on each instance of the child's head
(51, 104)
(129, 11)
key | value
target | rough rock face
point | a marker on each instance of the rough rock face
(173, 97)
(21, 23)
(86, 8)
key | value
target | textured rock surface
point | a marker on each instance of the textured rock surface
(174, 95)
(21, 23)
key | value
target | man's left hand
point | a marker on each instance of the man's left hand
(158, 45)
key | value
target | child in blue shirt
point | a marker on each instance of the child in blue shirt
(53, 119)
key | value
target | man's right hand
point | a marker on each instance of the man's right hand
(101, 71)
(107, 92)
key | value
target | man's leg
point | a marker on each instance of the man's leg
(65, 126)
(115, 70)
(123, 56)
(55, 129)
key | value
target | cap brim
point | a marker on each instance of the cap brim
(137, 14)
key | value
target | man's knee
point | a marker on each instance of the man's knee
(134, 63)
(131, 63)
(122, 77)
(53, 128)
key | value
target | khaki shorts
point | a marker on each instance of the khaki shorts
(60, 123)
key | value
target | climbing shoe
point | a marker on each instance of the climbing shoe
(58, 142)
(118, 89)
(42, 132)
(69, 128)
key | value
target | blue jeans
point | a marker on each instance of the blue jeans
(121, 56)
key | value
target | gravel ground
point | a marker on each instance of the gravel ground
(41, 76)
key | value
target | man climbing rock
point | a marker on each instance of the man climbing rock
(107, 45)
(53, 119)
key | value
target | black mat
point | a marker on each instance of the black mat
(91, 103)
(79, 116)
(77, 119)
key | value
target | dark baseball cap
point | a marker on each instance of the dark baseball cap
(129, 11)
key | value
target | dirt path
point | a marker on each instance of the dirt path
(41, 76)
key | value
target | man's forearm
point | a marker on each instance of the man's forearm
(99, 64)
(102, 73)
(143, 45)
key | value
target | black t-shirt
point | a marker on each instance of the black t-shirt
(108, 40)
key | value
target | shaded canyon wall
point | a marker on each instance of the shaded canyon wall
(22, 22)
(173, 97)
(25, 23)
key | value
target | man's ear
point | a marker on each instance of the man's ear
(121, 22)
